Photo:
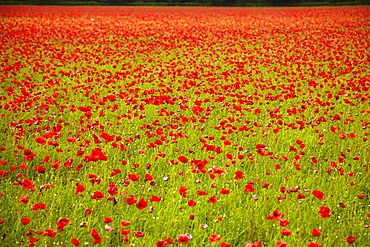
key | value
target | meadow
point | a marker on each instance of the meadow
(173, 126)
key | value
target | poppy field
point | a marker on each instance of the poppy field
(169, 126)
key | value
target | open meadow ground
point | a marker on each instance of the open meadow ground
(133, 126)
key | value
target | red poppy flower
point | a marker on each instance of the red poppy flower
(80, 153)
(79, 188)
(256, 244)
(249, 188)
(40, 140)
(202, 193)
(182, 191)
(125, 238)
(125, 223)
(148, 177)
(112, 189)
(139, 234)
(155, 199)
(324, 212)
(214, 238)
(133, 177)
(314, 245)
(183, 159)
(49, 232)
(38, 206)
(107, 220)
(88, 211)
(351, 239)
(192, 203)
(281, 244)
(123, 231)
(55, 164)
(265, 185)
(71, 139)
(39, 169)
(285, 232)
(183, 238)
(239, 175)
(75, 242)
(161, 243)
(141, 204)
(301, 196)
(23, 166)
(284, 222)
(97, 240)
(24, 199)
(62, 223)
(96, 237)
(161, 154)
(130, 200)
(224, 191)
(25, 221)
(97, 195)
(320, 195)
(276, 215)
(212, 199)
(27, 184)
(115, 172)
(34, 240)
(316, 232)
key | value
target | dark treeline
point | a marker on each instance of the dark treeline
(235, 3)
